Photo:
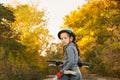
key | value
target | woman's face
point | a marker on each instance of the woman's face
(65, 38)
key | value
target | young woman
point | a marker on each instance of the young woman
(71, 52)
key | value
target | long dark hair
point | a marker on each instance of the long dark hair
(77, 48)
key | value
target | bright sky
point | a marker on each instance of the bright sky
(56, 10)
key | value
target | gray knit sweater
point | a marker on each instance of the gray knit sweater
(71, 57)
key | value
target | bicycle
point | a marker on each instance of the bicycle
(67, 72)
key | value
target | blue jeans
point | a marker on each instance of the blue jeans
(71, 77)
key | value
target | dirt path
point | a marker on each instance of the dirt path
(95, 77)
(85, 77)
(49, 77)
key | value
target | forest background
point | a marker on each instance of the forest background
(24, 37)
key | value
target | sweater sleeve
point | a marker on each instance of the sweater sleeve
(70, 58)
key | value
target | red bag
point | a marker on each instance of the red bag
(59, 75)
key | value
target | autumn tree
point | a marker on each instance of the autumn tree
(97, 27)
(31, 25)
(24, 37)
(54, 51)
(8, 37)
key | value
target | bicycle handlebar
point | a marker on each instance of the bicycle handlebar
(84, 64)
(58, 62)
